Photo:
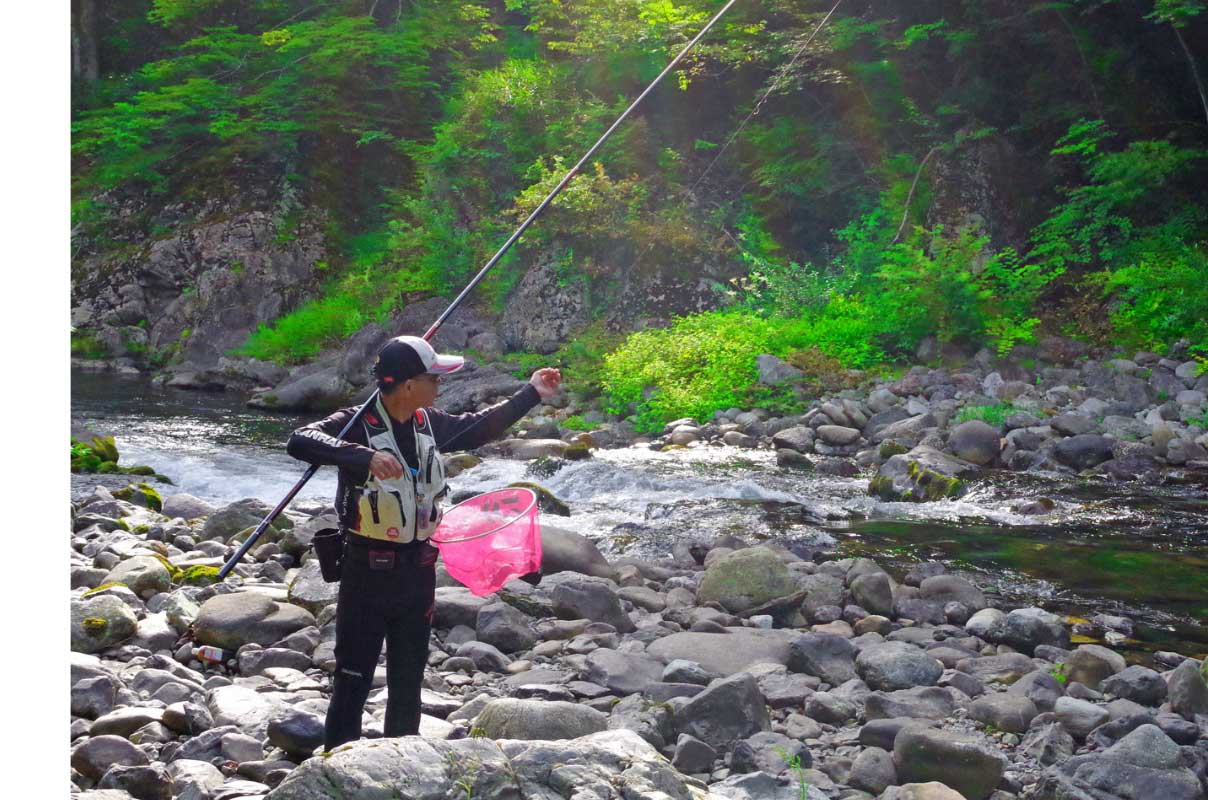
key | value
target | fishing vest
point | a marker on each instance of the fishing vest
(407, 508)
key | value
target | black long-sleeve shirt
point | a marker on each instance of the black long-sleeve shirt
(316, 443)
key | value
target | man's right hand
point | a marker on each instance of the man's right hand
(384, 466)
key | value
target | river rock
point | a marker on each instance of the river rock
(873, 771)
(510, 718)
(1079, 717)
(692, 755)
(770, 752)
(1083, 451)
(185, 506)
(1144, 765)
(921, 702)
(622, 673)
(252, 711)
(1006, 712)
(143, 782)
(100, 622)
(873, 592)
(240, 515)
(725, 653)
(1090, 664)
(456, 605)
(308, 590)
(1137, 683)
(974, 441)
(826, 656)
(590, 598)
(920, 475)
(950, 588)
(897, 665)
(837, 435)
(94, 757)
(799, 439)
(728, 709)
(505, 627)
(1007, 668)
(232, 620)
(1188, 690)
(932, 790)
(965, 763)
(1040, 687)
(746, 579)
(567, 551)
(145, 575)
(1025, 629)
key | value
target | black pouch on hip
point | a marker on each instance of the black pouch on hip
(329, 547)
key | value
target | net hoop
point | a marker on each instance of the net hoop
(436, 537)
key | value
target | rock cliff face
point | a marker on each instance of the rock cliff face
(223, 267)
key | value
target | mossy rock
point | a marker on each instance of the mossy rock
(577, 452)
(547, 502)
(100, 622)
(103, 587)
(921, 475)
(108, 468)
(105, 448)
(890, 448)
(544, 467)
(141, 469)
(745, 579)
(145, 575)
(141, 494)
(199, 575)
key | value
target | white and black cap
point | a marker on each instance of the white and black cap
(404, 357)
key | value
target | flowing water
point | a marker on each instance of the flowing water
(1123, 549)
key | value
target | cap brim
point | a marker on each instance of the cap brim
(443, 364)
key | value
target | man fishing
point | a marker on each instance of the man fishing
(391, 481)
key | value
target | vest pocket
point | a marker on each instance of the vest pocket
(382, 516)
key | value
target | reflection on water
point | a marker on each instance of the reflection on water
(1139, 551)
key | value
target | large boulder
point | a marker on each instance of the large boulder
(100, 622)
(966, 763)
(240, 515)
(185, 506)
(974, 441)
(725, 653)
(145, 575)
(1091, 664)
(745, 579)
(505, 627)
(1083, 451)
(322, 390)
(897, 665)
(729, 709)
(1143, 765)
(510, 718)
(622, 673)
(590, 598)
(613, 763)
(567, 551)
(232, 620)
(825, 655)
(308, 590)
(1187, 688)
(920, 475)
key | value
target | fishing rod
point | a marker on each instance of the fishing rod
(313, 468)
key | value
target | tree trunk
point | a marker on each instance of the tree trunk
(85, 64)
(1195, 72)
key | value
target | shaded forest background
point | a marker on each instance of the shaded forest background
(966, 173)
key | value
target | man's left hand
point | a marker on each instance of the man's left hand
(547, 381)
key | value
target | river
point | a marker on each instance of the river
(1115, 548)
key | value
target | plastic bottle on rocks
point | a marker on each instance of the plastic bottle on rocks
(212, 656)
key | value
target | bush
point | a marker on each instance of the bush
(994, 415)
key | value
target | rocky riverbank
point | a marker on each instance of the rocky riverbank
(724, 671)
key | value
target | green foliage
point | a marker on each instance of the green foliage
(995, 415)
(86, 345)
(576, 422)
(326, 321)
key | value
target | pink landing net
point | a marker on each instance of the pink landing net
(490, 539)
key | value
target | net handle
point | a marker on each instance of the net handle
(435, 538)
